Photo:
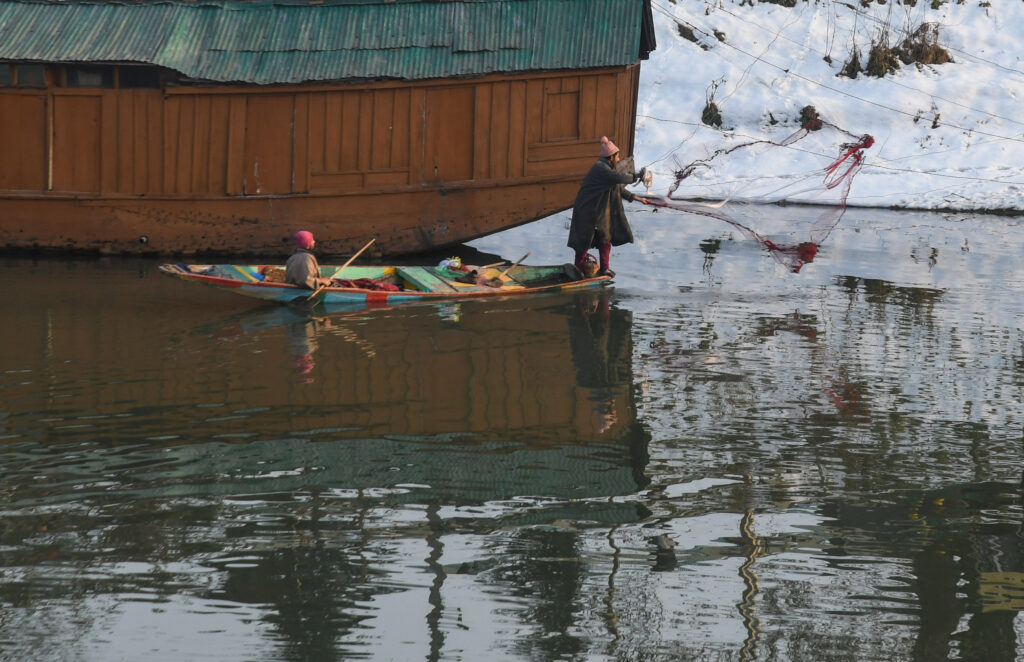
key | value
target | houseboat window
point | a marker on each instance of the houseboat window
(138, 77)
(561, 116)
(23, 75)
(90, 77)
(31, 75)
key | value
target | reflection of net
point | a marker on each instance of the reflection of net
(837, 178)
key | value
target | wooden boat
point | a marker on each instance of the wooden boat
(388, 285)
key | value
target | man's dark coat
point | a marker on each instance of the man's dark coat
(597, 215)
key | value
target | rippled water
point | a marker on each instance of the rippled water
(714, 459)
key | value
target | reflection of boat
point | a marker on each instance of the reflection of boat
(497, 371)
(382, 285)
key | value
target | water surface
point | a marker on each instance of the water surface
(714, 459)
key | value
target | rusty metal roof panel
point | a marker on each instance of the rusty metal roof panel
(267, 42)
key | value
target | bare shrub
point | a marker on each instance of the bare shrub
(922, 46)
(711, 115)
(852, 66)
(882, 60)
(686, 32)
(809, 118)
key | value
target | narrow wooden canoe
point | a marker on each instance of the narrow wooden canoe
(407, 284)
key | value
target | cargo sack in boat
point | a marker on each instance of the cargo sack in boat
(272, 274)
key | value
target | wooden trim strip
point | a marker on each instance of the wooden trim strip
(178, 90)
(87, 197)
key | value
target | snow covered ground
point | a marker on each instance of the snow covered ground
(947, 136)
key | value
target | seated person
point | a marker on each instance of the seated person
(302, 268)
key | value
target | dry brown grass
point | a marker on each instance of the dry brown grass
(922, 46)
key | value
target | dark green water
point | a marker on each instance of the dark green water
(714, 459)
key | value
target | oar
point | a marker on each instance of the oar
(335, 274)
(482, 270)
(495, 281)
(503, 273)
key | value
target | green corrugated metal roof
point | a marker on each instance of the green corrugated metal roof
(265, 43)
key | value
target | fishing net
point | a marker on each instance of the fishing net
(829, 156)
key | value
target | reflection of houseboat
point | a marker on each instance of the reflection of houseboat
(224, 126)
(482, 397)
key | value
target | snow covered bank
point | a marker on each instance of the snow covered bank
(947, 136)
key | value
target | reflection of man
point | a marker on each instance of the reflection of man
(600, 338)
(600, 343)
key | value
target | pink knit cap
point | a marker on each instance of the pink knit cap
(304, 239)
(607, 147)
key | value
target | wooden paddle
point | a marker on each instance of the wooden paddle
(335, 274)
(483, 269)
(505, 272)
(496, 281)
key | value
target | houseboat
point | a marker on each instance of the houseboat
(223, 127)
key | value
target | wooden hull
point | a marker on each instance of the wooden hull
(419, 284)
(236, 170)
(403, 220)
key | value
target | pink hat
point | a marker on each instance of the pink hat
(607, 147)
(304, 239)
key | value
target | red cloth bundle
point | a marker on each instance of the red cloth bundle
(365, 284)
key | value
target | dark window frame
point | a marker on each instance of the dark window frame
(73, 75)
(139, 77)
(17, 72)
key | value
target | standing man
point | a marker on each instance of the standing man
(598, 219)
(302, 268)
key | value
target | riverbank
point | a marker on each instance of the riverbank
(946, 137)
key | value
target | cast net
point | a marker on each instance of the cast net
(814, 166)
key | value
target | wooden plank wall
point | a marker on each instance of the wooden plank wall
(567, 117)
(500, 140)
(76, 137)
(359, 139)
(198, 142)
(269, 144)
(23, 162)
(132, 128)
(448, 135)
